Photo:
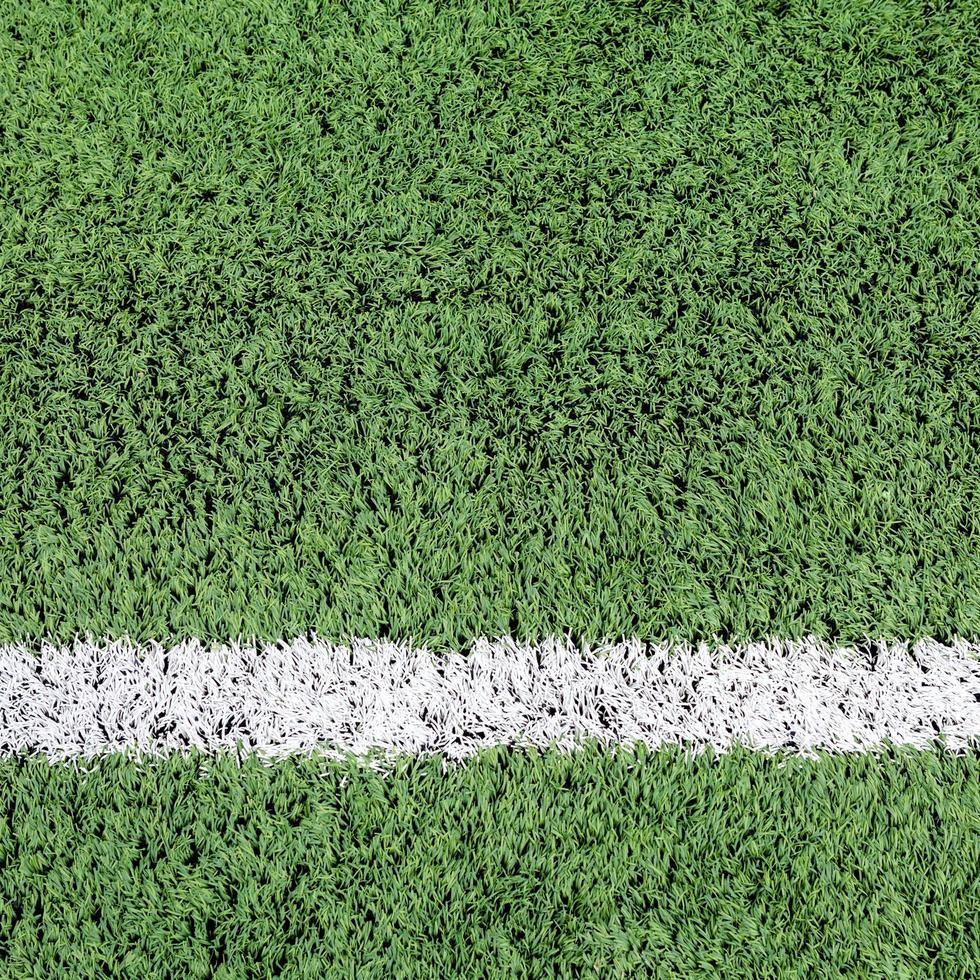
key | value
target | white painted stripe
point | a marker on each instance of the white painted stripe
(301, 696)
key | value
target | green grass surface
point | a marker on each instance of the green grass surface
(436, 320)
(514, 866)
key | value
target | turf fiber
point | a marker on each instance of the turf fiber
(443, 320)
(537, 865)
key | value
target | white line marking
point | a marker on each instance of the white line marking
(302, 696)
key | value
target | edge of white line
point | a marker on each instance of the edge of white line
(307, 696)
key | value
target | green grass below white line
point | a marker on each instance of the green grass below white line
(515, 865)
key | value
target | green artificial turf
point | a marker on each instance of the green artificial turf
(518, 865)
(442, 319)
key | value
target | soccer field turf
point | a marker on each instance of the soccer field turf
(537, 865)
(428, 323)
(457, 320)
